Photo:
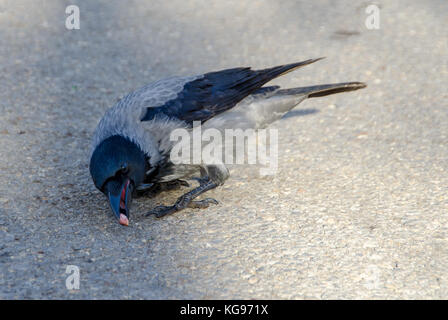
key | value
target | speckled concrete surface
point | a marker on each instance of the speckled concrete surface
(358, 208)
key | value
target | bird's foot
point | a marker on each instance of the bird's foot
(180, 204)
(161, 211)
(186, 201)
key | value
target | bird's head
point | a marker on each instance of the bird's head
(117, 167)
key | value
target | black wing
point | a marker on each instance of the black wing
(216, 92)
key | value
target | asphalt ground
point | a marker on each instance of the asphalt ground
(358, 207)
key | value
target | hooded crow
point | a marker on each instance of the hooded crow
(131, 145)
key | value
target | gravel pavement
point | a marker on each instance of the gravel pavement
(357, 209)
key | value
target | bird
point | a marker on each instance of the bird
(131, 145)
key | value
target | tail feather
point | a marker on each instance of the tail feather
(323, 90)
(263, 110)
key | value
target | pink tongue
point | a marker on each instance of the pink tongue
(124, 220)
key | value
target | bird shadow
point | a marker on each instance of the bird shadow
(299, 113)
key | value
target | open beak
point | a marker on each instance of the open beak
(120, 197)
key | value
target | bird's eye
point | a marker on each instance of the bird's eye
(124, 168)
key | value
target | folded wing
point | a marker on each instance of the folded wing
(216, 92)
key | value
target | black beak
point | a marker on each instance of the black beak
(120, 197)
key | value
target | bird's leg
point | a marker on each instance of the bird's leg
(186, 201)
(201, 180)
